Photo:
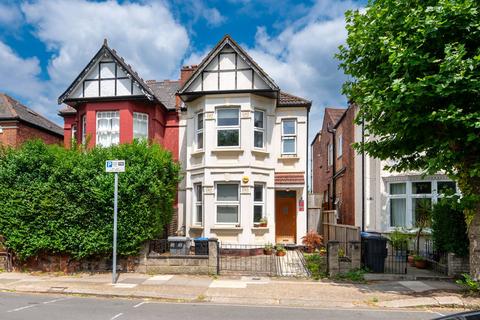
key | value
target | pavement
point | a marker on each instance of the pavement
(285, 292)
(16, 306)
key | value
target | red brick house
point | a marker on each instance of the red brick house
(109, 103)
(19, 124)
(333, 163)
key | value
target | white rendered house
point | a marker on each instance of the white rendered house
(243, 151)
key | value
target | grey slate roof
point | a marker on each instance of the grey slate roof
(165, 91)
(11, 109)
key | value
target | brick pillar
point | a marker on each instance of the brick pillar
(355, 249)
(213, 256)
(332, 258)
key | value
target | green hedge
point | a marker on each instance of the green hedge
(449, 229)
(54, 200)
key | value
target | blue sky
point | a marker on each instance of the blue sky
(44, 44)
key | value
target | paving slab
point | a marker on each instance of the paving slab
(406, 303)
(416, 286)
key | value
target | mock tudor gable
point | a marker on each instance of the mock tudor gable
(107, 76)
(228, 68)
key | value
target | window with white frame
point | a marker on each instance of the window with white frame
(227, 203)
(108, 128)
(259, 129)
(74, 132)
(84, 129)
(340, 146)
(258, 202)
(140, 125)
(407, 200)
(228, 127)
(329, 155)
(199, 130)
(289, 136)
(198, 194)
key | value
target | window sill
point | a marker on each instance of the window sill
(260, 152)
(227, 150)
(197, 227)
(286, 157)
(227, 228)
(260, 228)
(197, 153)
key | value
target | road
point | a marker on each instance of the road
(15, 306)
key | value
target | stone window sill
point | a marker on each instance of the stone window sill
(227, 150)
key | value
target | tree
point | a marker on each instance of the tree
(414, 73)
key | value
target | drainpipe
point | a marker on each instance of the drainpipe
(333, 131)
(305, 201)
(363, 175)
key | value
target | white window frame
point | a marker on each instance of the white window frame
(142, 114)
(259, 129)
(198, 202)
(224, 128)
(409, 196)
(111, 131)
(259, 203)
(289, 136)
(219, 203)
(84, 129)
(329, 155)
(199, 131)
(340, 147)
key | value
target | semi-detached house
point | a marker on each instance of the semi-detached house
(242, 142)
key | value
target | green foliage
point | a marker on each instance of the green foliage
(356, 275)
(61, 201)
(399, 239)
(317, 265)
(469, 283)
(449, 229)
(415, 73)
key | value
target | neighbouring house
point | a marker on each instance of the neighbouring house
(333, 163)
(360, 188)
(19, 123)
(244, 151)
(109, 103)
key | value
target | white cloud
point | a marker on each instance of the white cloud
(10, 15)
(146, 35)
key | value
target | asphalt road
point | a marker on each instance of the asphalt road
(22, 306)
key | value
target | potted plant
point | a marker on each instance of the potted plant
(263, 222)
(268, 249)
(323, 251)
(411, 260)
(312, 241)
(280, 250)
(399, 242)
(420, 262)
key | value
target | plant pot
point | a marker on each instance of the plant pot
(411, 261)
(421, 264)
(281, 253)
(267, 252)
(309, 249)
(263, 225)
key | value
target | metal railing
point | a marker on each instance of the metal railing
(246, 259)
(437, 260)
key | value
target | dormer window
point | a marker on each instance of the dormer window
(228, 127)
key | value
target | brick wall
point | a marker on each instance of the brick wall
(15, 133)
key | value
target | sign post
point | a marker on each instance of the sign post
(115, 166)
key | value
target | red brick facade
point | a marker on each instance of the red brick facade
(14, 133)
(162, 124)
(335, 185)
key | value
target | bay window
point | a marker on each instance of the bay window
(227, 203)
(289, 136)
(228, 127)
(84, 129)
(198, 194)
(108, 128)
(140, 125)
(398, 205)
(258, 202)
(199, 131)
(259, 129)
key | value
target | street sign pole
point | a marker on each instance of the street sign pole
(115, 201)
(115, 166)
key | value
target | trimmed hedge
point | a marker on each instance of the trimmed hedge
(449, 229)
(54, 200)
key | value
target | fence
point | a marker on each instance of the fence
(382, 257)
(314, 214)
(246, 259)
(437, 260)
(339, 232)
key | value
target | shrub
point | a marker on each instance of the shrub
(55, 200)
(449, 229)
(469, 283)
(399, 239)
(317, 265)
(312, 240)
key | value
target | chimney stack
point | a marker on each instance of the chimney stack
(186, 72)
